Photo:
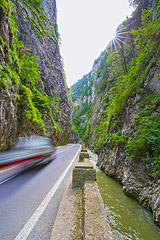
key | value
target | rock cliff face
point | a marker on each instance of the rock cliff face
(8, 101)
(118, 115)
(84, 95)
(38, 31)
(137, 177)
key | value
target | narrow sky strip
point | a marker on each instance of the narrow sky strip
(86, 27)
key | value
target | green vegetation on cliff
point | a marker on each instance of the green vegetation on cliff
(123, 68)
(9, 72)
(23, 70)
(85, 109)
(32, 104)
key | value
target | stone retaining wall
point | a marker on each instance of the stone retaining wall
(82, 172)
(95, 224)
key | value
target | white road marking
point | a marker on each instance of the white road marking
(9, 178)
(62, 150)
(26, 230)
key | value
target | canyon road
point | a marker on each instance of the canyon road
(29, 202)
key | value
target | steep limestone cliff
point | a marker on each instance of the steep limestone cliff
(84, 94)
(123, 122)
(47, 110)
(138, 177)
(8, 101)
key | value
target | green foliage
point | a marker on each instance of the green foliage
(85, 108)
(56, 32)
(103, 84)
(104, 101)
(32, 104)
(125, 85)
(87, 133)
(68, 90)
(121, 74)
(156, 163)
(39, 20)
(29, 110)
(9, 73)
(75, 109)
(142, 3)
(78, 120)
(35, 104)
(47, 106)
(117, 138)
(101, 134)
(3, 5)
(147, 141)
(80, 125)
(156, 9)
(82, 88)
(147, 51)
(7, 76)
(121, 53)
(89, 111)
(29, 71)
(147, 135)
(103, 72)
(74, 129)
(147, 37)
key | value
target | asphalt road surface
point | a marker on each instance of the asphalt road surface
(29, 202)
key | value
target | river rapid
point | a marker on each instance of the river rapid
(128, 219)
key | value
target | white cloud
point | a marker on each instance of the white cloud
(86, 27)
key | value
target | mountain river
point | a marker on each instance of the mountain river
(128, 219)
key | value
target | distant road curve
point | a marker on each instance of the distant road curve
(29, 202)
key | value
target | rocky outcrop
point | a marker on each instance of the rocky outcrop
(122, 124)
(8, 102)
(135, 177)
(38, 31)
(46, 48)
(138, 178)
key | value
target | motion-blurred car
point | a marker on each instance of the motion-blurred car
(25, 153)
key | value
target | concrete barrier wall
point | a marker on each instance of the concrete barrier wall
(95, 223)
(82, 172)
(82, 156)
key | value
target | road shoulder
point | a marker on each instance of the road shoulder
(66, 216)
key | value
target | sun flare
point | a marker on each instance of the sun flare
(119, 38)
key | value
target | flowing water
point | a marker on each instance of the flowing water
(128, 219)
